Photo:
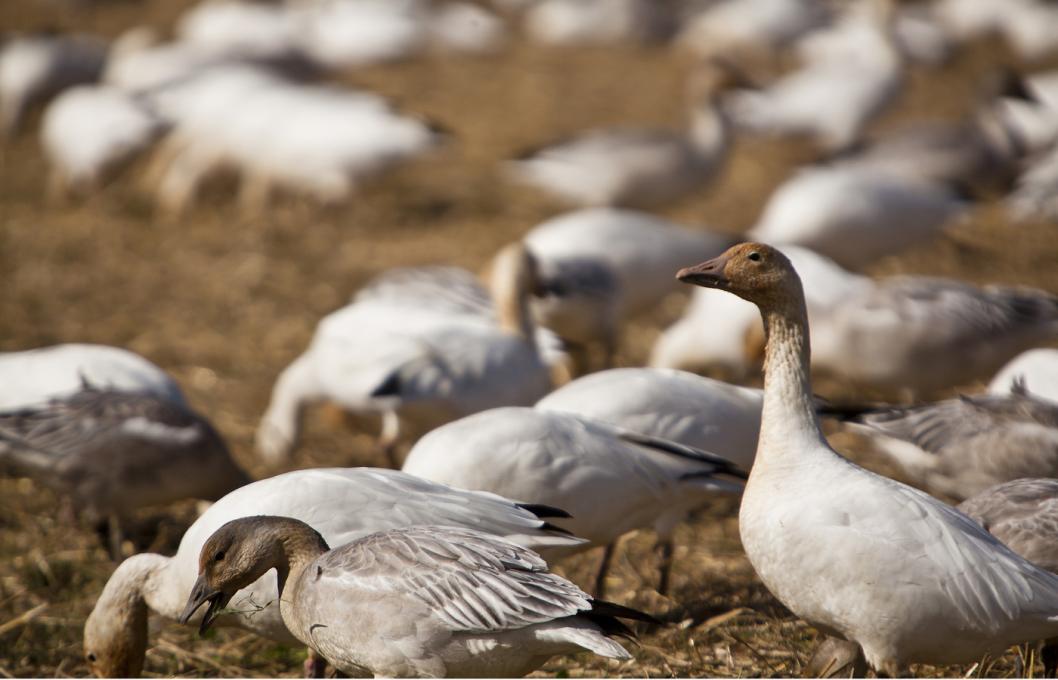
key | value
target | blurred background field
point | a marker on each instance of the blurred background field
(223, 301)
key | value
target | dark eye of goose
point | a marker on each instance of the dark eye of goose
(219, 557)
(91, 657)
(755, 256)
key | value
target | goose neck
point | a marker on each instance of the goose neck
(709, 128)
(788, 419)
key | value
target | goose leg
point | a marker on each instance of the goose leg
(836, 658)
(665, 550)
(315, 666)
(389, 437)
(604, 566)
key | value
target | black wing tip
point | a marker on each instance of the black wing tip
(390, 387)
(545, 511)
(612, 610)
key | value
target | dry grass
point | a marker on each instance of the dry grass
(225, 302)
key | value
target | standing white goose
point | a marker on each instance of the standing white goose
(344, 503)
(428, 601)
(960, 447)
(683, 407)
(598, 266)
(31, 377)
(637, 167)
(1036, 370)
(611, 480)
(908, 578)
(399, 356)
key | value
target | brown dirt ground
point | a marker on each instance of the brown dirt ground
(224, 303)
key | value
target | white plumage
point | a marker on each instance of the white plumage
(1036, 369)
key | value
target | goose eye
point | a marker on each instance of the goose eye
(755, 256)
(219, 557)
(91, 657)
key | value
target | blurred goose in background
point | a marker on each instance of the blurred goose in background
(239, 29)
(742, 28)
(599, 266)
(34, 68)
(1033, 118)
(682, 407)
(106, 453)
(959, 447)
(855, 213)
(88, 130)
(1035, 370)
(578, 23)
(924, 582)
(427, 601)
(32, 377)
(610, 480)
(638, 167)
(722, 334)
(915, 335)
(832, 100)
(343, 503)
(397, 355)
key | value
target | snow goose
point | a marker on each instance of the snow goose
(611, 480)
(600, 265)
(918, 581)
(915, 335)
(597, 22)
(831, 100)
(637, 167)
(721, 333)
(855, 213)
(343, 503)
(427, 601)
(960, 447)
(33, 68)
(108, 452)
(88, 130)
(393, 354)
(699, 412)
(1036, 370)
(738, 27)
(1023, 513)
(31, 377)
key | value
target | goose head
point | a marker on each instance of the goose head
(755, 272)
(115, 641)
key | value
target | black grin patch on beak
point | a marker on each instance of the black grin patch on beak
(200, 595)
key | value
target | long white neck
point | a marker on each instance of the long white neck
(710, 130)
(281, 425)
(789, 424)
(507, 285)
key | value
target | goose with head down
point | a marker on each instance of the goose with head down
(903, 575)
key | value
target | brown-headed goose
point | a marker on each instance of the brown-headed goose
(638, 167)
(344, 503)
(959, 447)
(415, 348)
(109, 452)
(429, 601)
(907, 577)
(611, 480)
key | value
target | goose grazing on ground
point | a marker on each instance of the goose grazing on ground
(959, 447)
(108, 452)
(343, 503)
(720, 333)
(1036, 370)
(906, 577)
(682, 407)
(888, 212)
(32, 377)
(398, 355)
(598, 266)
(832, 100)
(611, 480)
(638, 167)
(915, 335)
(428, 601)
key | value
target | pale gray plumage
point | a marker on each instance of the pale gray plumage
(1022, 513)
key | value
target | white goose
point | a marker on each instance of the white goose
(427, 601)
(722, 334)
(611, 480)
(598, 266)
(682, 407)
(32, 377)
(637, 167)
(831, 100)
(741, 27)
(960, 447)
(908, 578)
(1036, 370)
(855, 213)
(399, 355)
(343, 503)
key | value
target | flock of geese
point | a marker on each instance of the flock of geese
(522, 451)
